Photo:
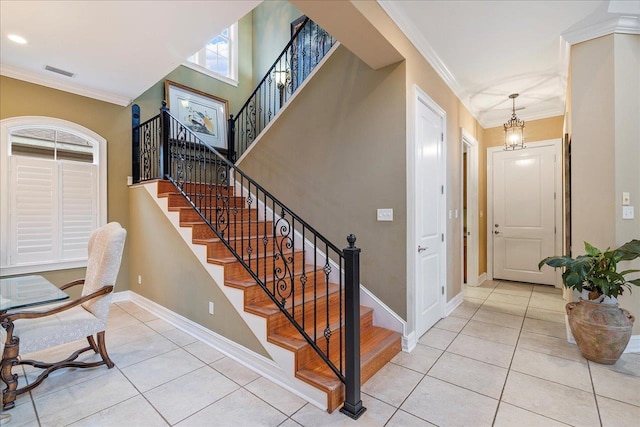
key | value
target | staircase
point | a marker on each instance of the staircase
(318, 301)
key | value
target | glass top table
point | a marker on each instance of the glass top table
(28, 291)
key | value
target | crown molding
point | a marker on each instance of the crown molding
(614, 25)
(414, 35)
(536, 115)
(54, 83)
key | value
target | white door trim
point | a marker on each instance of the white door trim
(472, 207)
(559, 236)
(412, 194)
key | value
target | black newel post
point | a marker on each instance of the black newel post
(135, 143)
(165, 128)
(353, 402)
(231, 138)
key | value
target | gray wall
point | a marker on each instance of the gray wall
(335, 155)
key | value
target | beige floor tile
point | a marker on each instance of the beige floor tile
(405, 419)
(276, 396)
(506, 284)
(547, 289)
(136, 311)
(477, 292)
(119, 319)
(544, 327)
(557, 369)
(542, 314)
(128, 335)
(501, 307)
(491, 332)
(552, 400)
(66, 377)
(614, 385)
(517, 289)
(615, 414)
(489, 284)
(179, 337)
(471, 374)
(159, 325)
(500, 319)
(509, 299)
(440, 403)
(376, 415)
(132, 412)
(204, 352)
(392, 384)
(451, 323)
(437, 338)
(22, 415)
(482, 350)
(239, 408)
(161, 369)
(509, 416)
(87, 397)
(547, 301)
(628, 363)
(139, 350)
(234, 371)
(472, 302)
(464, 311)
(189, 393)
(420, 359)
(559, 347)
(289, 423)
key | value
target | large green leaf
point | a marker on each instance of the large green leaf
(629, 251)
(591, 250)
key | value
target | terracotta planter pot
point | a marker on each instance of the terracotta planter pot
(601, 331)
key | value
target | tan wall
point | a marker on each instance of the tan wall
(605, 117)
(535, 130)
(112, 122)
(420, 73)
(335, 155)
(271, 33)
(174, 278)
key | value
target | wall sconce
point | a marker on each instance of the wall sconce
(514, 129)
(281, 77)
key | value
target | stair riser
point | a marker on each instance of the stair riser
(255, 294)
(313, 310)
(177, 201)
(202, 230)
(236, 270)
(165, 187)
(241, 245)
(188, 214)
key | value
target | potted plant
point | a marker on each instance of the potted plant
(601, 329)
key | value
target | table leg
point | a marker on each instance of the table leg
(9, 359)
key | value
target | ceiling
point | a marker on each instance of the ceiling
(115, 49)
(487, 50)
(484, 50)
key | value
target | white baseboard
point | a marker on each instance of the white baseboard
(409, 342)
(453, 304)
(482, 278)
(248, 358)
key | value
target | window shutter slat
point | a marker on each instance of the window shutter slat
(79, 208)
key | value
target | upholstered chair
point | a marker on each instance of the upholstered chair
(79, 319)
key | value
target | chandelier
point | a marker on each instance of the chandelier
(514, 129)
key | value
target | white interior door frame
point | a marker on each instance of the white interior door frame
(473, 229)
(410, 340)
(559, 236)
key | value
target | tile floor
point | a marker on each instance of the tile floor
(500, 359)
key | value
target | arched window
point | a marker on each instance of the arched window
(53, 193)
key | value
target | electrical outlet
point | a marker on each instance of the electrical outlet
(129, 180)
(627, 212)
(211, 307)
(139, 279)
(385, 214)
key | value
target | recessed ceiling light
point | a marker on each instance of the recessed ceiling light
(17, 39)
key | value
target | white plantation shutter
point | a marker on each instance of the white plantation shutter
(79, 208)
(34, 208)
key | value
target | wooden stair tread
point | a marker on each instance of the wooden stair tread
(268, 307)
(248, 281)
(323, 376)
(231, 258)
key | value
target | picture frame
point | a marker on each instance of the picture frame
(204, 114)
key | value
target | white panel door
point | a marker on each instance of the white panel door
(524, 214)
(429, 252)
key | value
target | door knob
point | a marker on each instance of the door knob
(420, 248)
(496, 225)
(496, 232)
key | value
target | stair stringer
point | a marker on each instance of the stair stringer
(283, 372)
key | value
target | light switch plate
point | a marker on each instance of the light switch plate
(385, 214)
(626, 199)
(627, 212)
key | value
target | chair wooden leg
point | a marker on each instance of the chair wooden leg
(102, 348)
(92, 343)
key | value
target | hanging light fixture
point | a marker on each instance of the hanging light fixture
(514, 129)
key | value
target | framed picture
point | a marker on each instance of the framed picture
(204, 114)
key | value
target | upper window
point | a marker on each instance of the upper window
(219, 57)
(53, 193)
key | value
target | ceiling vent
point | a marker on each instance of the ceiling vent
(59, 71)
